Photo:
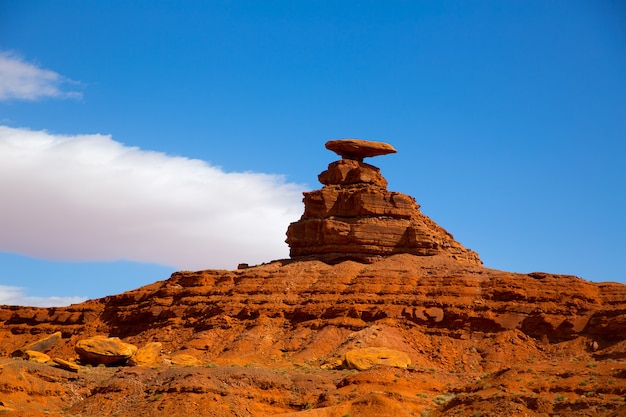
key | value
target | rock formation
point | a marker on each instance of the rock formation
(399, 335)
(104, 350)
(355, 217)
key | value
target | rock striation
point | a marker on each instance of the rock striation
(355, 217)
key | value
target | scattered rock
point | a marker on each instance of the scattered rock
(147, 355)
(183, 359)
(34, 356)
(364, 359)
(42, 345)
(334, 364)
(67, 365)
(104, 350)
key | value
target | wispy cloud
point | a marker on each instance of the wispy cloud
(90, 198)
(15, 296)
(20, 80)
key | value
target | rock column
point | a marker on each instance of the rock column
(355, 217)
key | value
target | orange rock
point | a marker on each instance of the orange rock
(41, 345)
(34, 356)
(183, 359)
(348, 171)
(67, 365)
(363, 359)
(358, 149)
(355, 217)
(104, 350)
(147, 355)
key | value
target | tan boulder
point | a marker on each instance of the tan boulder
(67, 365)
(104, 350)
(363, 359)
(183, 359)
(147, 355)
(34, 356)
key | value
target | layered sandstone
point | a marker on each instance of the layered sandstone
(313, 336)
(273, 339)
(355, 217)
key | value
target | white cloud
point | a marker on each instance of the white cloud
(90, 198)
(23, 81)
(15, 296)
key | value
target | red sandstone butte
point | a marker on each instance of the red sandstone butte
(355, 217)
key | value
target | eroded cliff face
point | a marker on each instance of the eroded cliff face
(379, 312)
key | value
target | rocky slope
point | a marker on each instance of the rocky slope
(404, 334)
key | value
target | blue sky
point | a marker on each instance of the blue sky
(139, 138)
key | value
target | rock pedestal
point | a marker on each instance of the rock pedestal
(355, 217)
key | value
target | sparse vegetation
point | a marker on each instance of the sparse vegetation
(442, 399)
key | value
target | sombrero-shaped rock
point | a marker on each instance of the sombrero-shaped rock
(358, 149)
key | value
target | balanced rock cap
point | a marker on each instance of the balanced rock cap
(358, 149)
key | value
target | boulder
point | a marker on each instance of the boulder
(147, 355)
(357, 149)
(363, 359)
(34, 356)
(183, 359)
(104, 350)
(41, 345)
(67, 365)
